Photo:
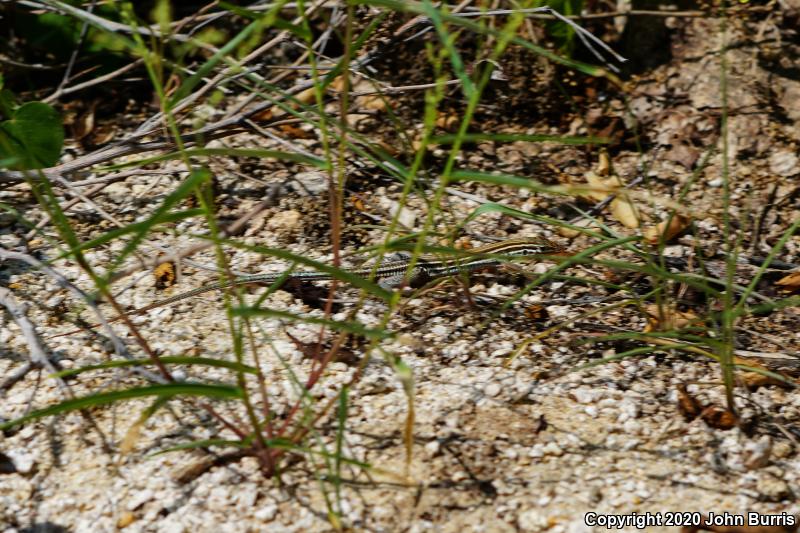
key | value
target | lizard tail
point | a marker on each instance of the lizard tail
(166, 301)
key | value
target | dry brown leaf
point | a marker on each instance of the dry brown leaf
(599, 187)
(621, 207)
(691, 408)
(570, 233)
(683, 153)
(603, 164)
(754, 380)
(372, 102)
(625, 212)
(719, 418)
(293, 132)
(448, 121)
(84, 123)
(338, 84)
(263, 116)
(128, 443)
(125, 519)
(307, 96)
(688, 405)
(669, 229)
(789, 283)
(668, 318)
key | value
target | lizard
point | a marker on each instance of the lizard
(389, 274)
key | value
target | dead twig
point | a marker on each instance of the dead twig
(119, 346)
(62, 91)
(37, 356)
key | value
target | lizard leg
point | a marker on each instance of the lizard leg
(417, 278)
(392, 282)
(397, 257)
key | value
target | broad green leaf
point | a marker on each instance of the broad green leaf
(8, 102)
(34, 135)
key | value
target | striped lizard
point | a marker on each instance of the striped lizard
(389, 274)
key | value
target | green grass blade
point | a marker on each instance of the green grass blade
(95, 400)
(448, 39)
(513, 137)
(137, 228)
(408, 6)
(222, 443)
(191, 82)
(196, 178)
(167, 360)
(623, 355)
(506, 179)
(224, 152)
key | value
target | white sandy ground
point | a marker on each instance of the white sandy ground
(502, 443)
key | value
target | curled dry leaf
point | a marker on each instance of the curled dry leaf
(84, 122)
(621, 207)
(599, 187)
(603, 164)
(719, 418)
(668, 318)
(372, 102)
(128, 443)
(448, 121)
(691, 408)
(667, 230)
(688, 406)
(570, 233)
(789, 283)
(293, 132)
(753, 380)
